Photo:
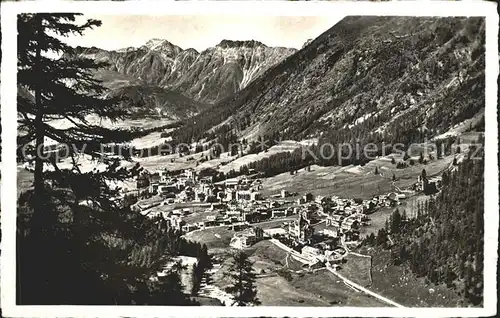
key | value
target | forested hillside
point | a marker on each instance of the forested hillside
(77, 242)
(444, 242)
(393, 77)
(97, 260)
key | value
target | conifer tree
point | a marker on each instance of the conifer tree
(424, 174)
(63, 88)
(69, 218)
(243, 280)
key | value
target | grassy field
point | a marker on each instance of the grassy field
(330, 289)
(399, 284)
(217, 237)
(174, 162)
(267, 255)
(328, 181)
(319, 288)
(377, 221)
(245, 160)
(277, 291)
(155, 163)
(357, 269)
(148, 141)
(275, 222)
(352, 181)
(199, 216)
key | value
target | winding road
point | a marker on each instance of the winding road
(363, 289)
(346, 281)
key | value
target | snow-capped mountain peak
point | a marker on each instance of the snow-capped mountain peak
(208, 77)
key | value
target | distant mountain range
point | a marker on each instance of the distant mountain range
(385, 73)
(205, 77)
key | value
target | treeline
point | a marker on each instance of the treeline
(344, 145)
(428, 110)
(110, 256)
(444, 241)
(341, 156)
(141, 132)
(76, 245)
(418, 124)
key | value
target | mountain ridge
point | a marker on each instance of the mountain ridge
(363, 69)
(208, 76)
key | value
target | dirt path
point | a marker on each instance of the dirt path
(364, 290)
(293, 253)
(345, 280)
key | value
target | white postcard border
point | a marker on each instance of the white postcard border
(264, 8)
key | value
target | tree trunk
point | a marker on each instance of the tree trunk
(39, 133)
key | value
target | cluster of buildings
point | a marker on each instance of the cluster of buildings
(189, 186)
(346, 216)
(428, 185)
(323, 253)
(238, 203)
(236, 213)
(343, 218)
(246, 237)
(231, 202)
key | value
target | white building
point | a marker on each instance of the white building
(230, 195)
(189, 173)
(279, 213)
(349, 224)
(241, 241)
(163, 176)
(312, 253)
(275, 231)
(247, 238)
(231, 183)
(332, 231)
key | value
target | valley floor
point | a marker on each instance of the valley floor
(282, 280)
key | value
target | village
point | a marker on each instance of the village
(318, 229)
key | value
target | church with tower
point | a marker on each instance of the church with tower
(301, 228)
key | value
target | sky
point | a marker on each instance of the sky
(202, 31)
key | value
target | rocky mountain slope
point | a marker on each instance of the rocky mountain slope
(207, 76)
(144, 100)
(383, 74)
